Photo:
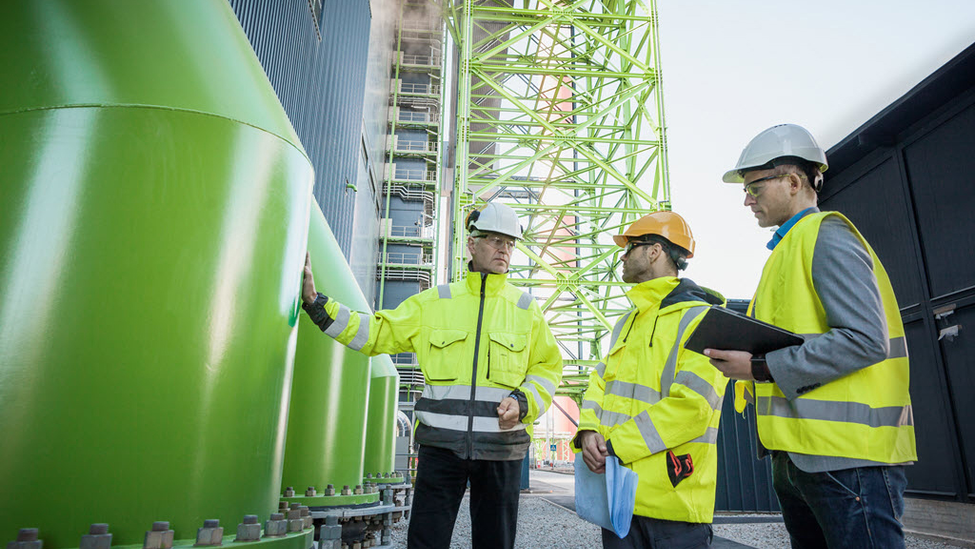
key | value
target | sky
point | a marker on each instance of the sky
(733, 69)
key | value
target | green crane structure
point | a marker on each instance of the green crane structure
(560, 115)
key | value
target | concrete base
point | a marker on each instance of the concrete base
(944, 520)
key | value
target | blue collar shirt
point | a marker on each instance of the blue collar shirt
(787, 226)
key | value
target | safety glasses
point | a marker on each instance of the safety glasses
(753, 191)
(633, 244)
(499, 242)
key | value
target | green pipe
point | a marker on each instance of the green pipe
(330, 394)
(381, 433)
(155, 206)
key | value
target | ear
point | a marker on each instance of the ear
(795, 183)
(470, 245)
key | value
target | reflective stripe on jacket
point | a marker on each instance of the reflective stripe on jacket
(650, 397)
(479, 333)
(864, 415)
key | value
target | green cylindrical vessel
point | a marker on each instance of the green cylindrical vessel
(381, 427)
(155, 205)
(330, 393)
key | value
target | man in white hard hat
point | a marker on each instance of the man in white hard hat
(653, 405)
(491, 367)
(834, 412)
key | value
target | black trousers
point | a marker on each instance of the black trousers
(441, 480)
(651, 533)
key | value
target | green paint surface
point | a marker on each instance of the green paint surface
(381, 431)
(154, 216)
(330, 394)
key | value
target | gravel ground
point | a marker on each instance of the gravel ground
(542, 524)
(774, 535)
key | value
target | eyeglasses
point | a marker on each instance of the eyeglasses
(754, 192)
(499, 242)
(633, 244)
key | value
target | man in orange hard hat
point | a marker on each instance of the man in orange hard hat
(651, 404)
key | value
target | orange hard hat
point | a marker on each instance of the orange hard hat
(666, 224)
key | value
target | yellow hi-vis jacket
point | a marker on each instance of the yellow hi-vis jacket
(476, 341)
(864, 415)
(657, 404)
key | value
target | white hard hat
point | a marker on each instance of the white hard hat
(495, 217)
(776, 142)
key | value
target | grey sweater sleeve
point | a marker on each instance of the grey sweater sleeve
(843, 277)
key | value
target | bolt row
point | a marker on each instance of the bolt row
(367, 488)
(293, 519)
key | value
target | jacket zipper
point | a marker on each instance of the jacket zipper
(477, 345)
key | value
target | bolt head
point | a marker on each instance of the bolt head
(250, 519)
(160, 526)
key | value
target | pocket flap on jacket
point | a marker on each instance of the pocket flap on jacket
(442, 338)
(514, 342)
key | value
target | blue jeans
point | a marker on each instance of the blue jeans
(849, 508)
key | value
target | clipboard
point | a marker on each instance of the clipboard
(725, 329)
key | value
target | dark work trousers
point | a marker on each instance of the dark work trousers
(441, 480)
(651, 533)
(857, 508)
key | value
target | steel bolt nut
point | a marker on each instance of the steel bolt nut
(97, 537)
(276, 525)
(295, 522)
(26, 539)
(249, 530)
(346, 491)
(358, 490)
(330, 490)
(310, 492)
(160, 537)
(211, 533)
(289, 492)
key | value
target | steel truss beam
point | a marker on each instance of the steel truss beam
(560, 115)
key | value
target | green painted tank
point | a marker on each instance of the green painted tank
(154, 216)
(329, 396)
(381, 427)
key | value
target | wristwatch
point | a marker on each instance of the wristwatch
(760, 370)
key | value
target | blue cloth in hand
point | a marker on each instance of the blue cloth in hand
(606, 499)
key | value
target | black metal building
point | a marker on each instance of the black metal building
(905, 178)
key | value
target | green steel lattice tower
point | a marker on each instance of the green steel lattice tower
(560, 114)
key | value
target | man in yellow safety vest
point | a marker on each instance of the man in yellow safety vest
(834, 412)
(490, 366)
(652, 404)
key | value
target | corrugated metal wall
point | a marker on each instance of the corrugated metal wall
(322, 86)
(905, 180)
(744, 482)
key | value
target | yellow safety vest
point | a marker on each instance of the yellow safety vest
(476, 341)
(864, 415)
(655, 402)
